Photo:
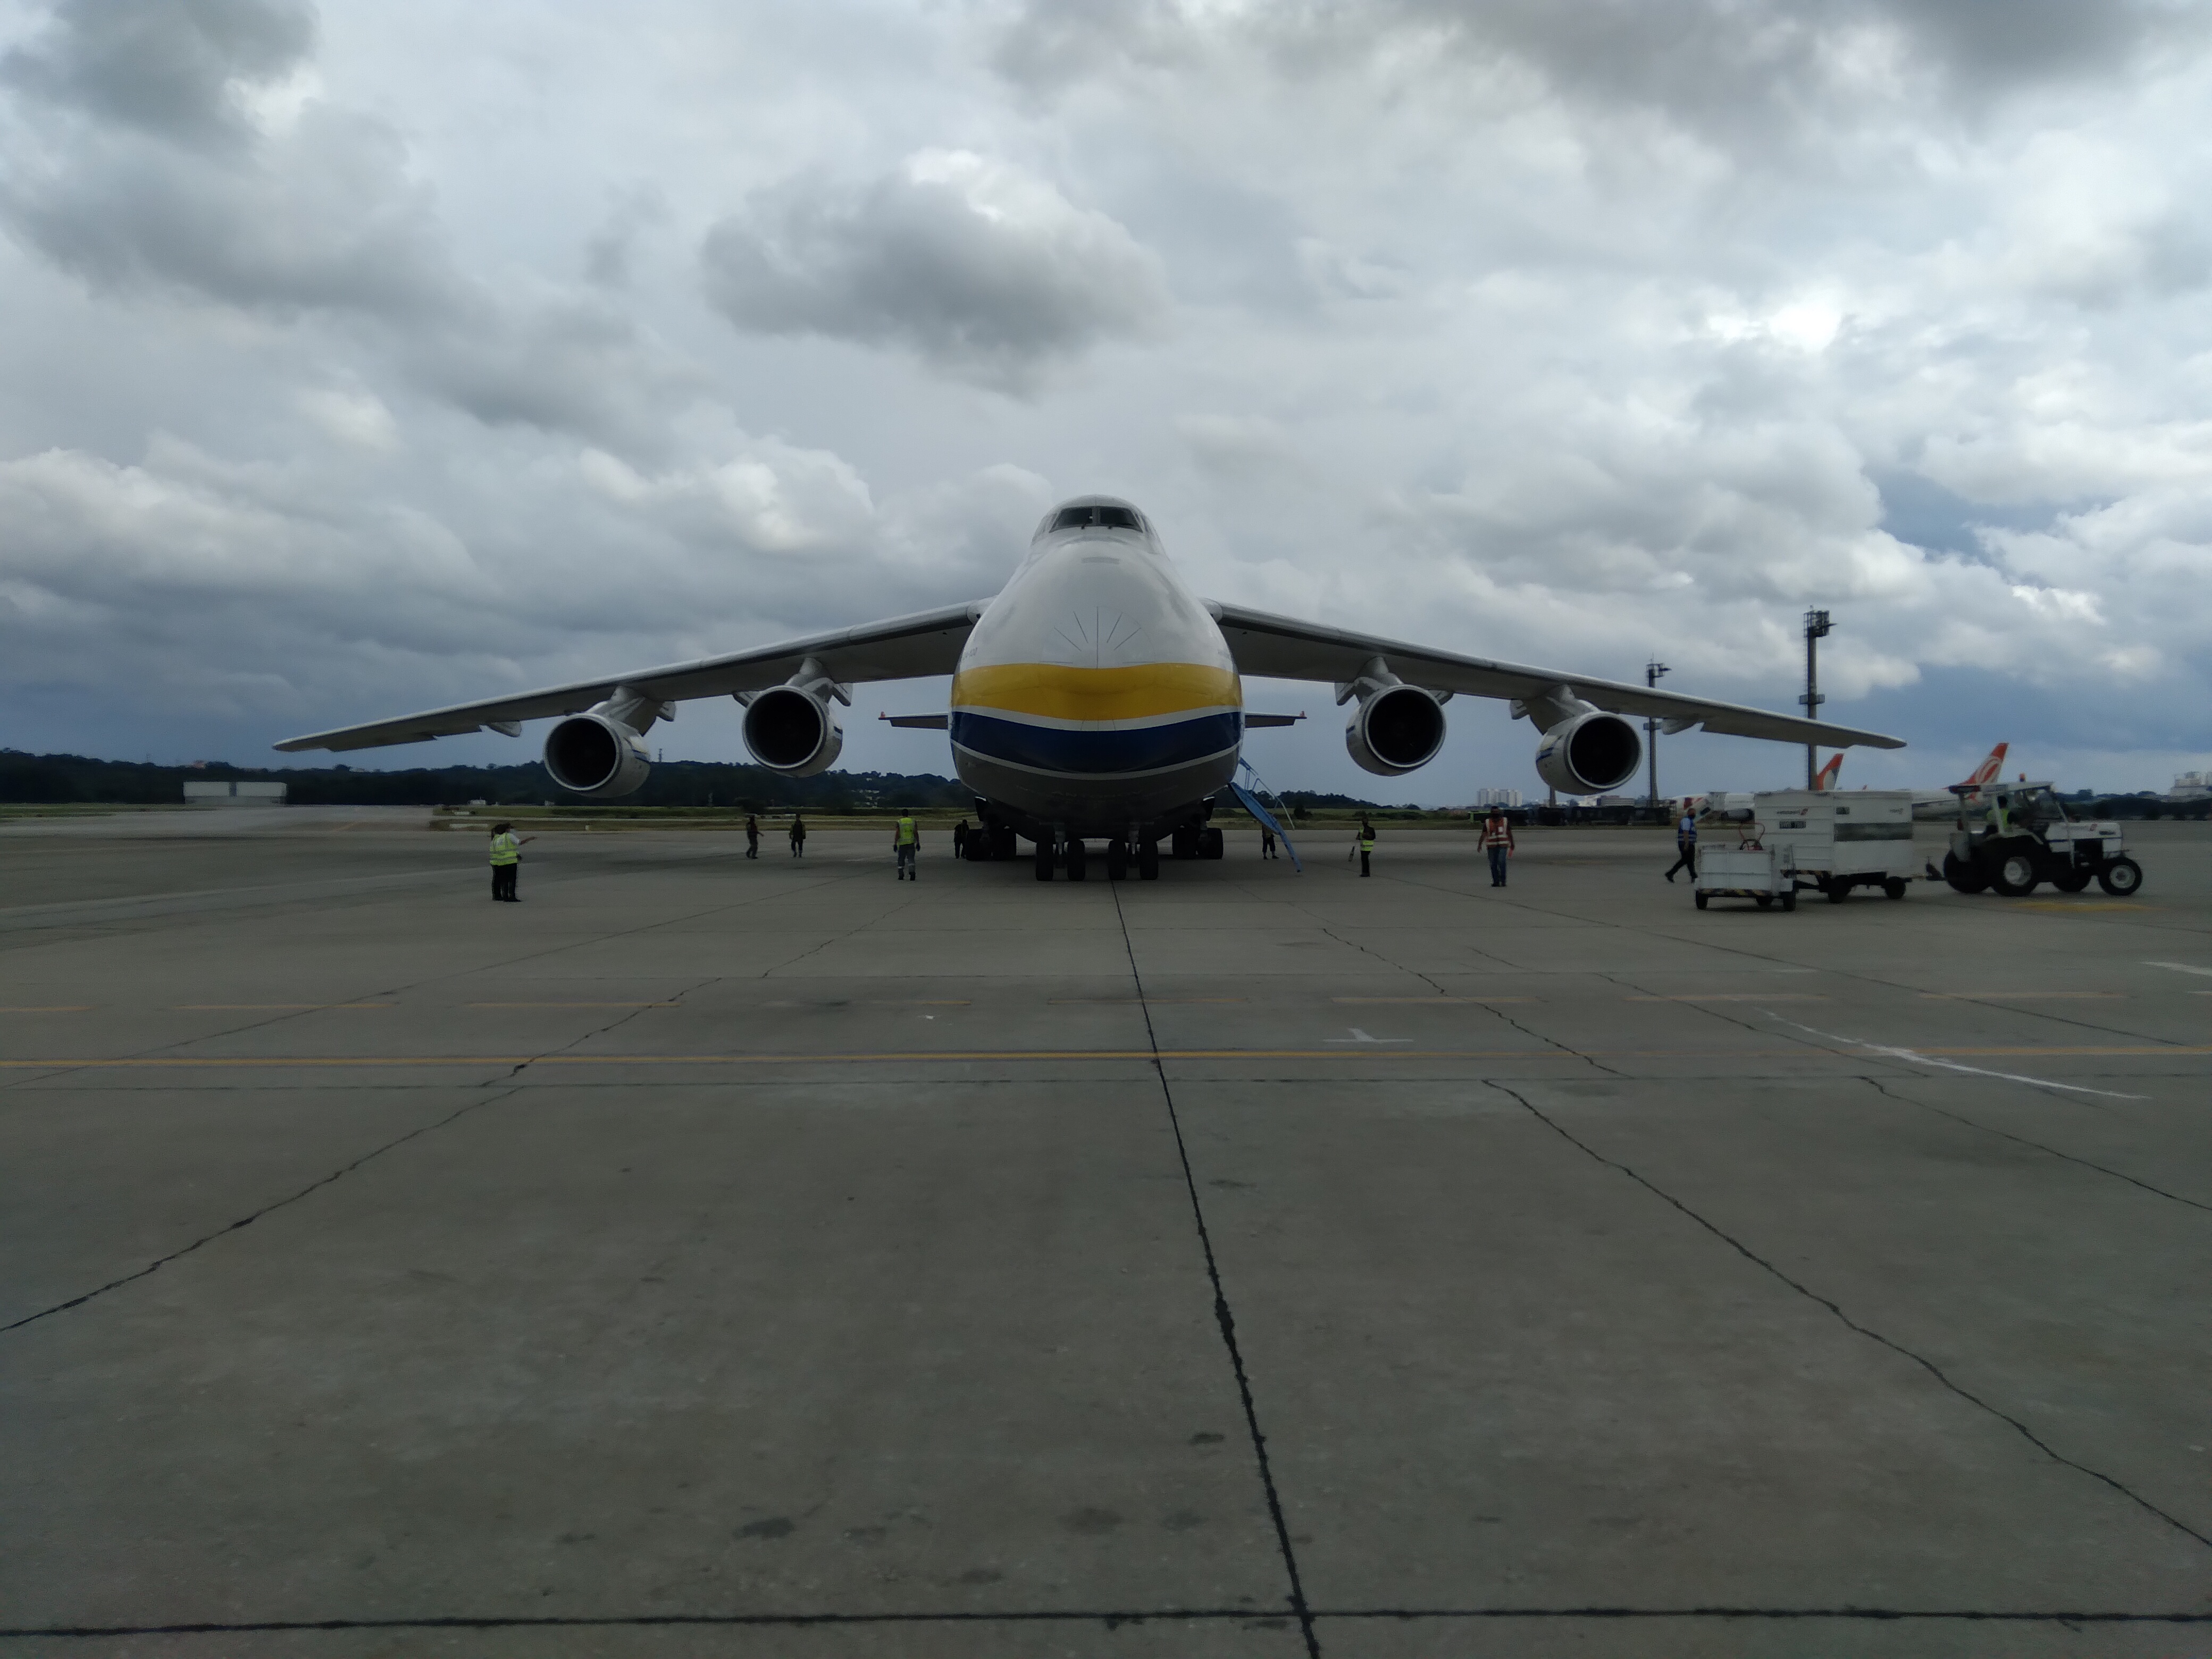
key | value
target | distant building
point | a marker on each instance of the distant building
(234, 794)
(1497, 797)
(2192, 785)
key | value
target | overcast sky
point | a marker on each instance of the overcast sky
(368, 356)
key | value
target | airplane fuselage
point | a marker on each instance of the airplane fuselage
(1095, 696)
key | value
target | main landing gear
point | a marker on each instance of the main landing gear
(1073, 856)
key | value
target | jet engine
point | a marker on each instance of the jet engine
(597, 755)
(1398, 729)
(793, 728)
(1590, 754)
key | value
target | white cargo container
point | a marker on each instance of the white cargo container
(1776, 842)
(235, 794)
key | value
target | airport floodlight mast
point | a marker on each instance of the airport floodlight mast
(1816, 629)
(1652, 671)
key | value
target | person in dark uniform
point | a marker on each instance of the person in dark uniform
(1366, 844)
(798, 836)
(752, 836)
(1267, 842)
(960, 839)
(1685, 844)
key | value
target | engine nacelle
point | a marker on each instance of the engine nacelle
(1590, 754)
(793, 731)
(1395, 730)
(591, 755)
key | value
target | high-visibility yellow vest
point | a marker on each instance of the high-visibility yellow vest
(505, 849)
(906, 833)
(1367, 841)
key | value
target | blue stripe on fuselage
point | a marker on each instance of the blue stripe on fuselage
(1094, 753)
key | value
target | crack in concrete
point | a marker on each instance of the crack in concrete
(1835, 1310)
(1224, 1318)
(1882, 1088)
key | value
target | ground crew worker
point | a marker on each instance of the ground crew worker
(906, 841)
(1497, 842)
(506, 861)
(1685, 844)
(1366, 843)
(2001, 817)
(752, 836)
(960, 839)
(798, 836)
(1267, 842)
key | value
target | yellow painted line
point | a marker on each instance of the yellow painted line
(53, 1008)
(2014, 996)
(1366, 1002)
(272, 1007)
(1730, 996)
(1053, 691)
(971, 1055)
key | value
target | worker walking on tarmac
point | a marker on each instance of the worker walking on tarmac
(1497, 842)
(506, 861)
(752, 834)
(798, 836)
(1685, 842)
(906, 841)
(1267, 842)
(960, 839)
(1366, 844)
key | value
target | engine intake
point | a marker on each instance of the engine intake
(793, 731)
(591, 755)
(1395, 731)
(1590, 754)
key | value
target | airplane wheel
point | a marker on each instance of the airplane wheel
(1076, 861)
(2014, 875)
(2120, 877)
(1003, 844)
(1893, 887)
(1210, 844)
(1148, 860)
(1963, 875)
(1044, 860)
(1117, 860)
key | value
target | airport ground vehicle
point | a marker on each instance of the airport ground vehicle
(1787, 840)
(2014, 838)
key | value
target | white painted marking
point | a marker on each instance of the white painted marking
(1358, 1035)
(1908, 1055)
(2180, 968)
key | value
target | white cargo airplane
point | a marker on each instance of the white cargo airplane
(1096, 698)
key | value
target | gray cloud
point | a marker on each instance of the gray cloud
(978, 267)
(174, 70)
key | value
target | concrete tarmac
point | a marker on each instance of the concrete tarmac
(708, 1256)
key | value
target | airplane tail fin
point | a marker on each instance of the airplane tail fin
(1825, 777)
(1988, 770)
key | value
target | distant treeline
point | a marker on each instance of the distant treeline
(41, 778)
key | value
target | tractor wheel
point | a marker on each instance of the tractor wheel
(2072, 882)
(1765, 901)
(1148, 860)
(1963, 875)
(2120, 876)
(1789, 900)
(1838, 892)
(1893, 887)
(1044, 860)
(2013, 874)
(1117, 860)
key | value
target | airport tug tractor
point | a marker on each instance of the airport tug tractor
(2013, 837)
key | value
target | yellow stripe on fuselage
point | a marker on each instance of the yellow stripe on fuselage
(1052, 692)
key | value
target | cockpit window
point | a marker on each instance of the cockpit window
(1097, 517)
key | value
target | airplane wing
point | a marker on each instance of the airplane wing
(904, 647)
(1283, 648)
